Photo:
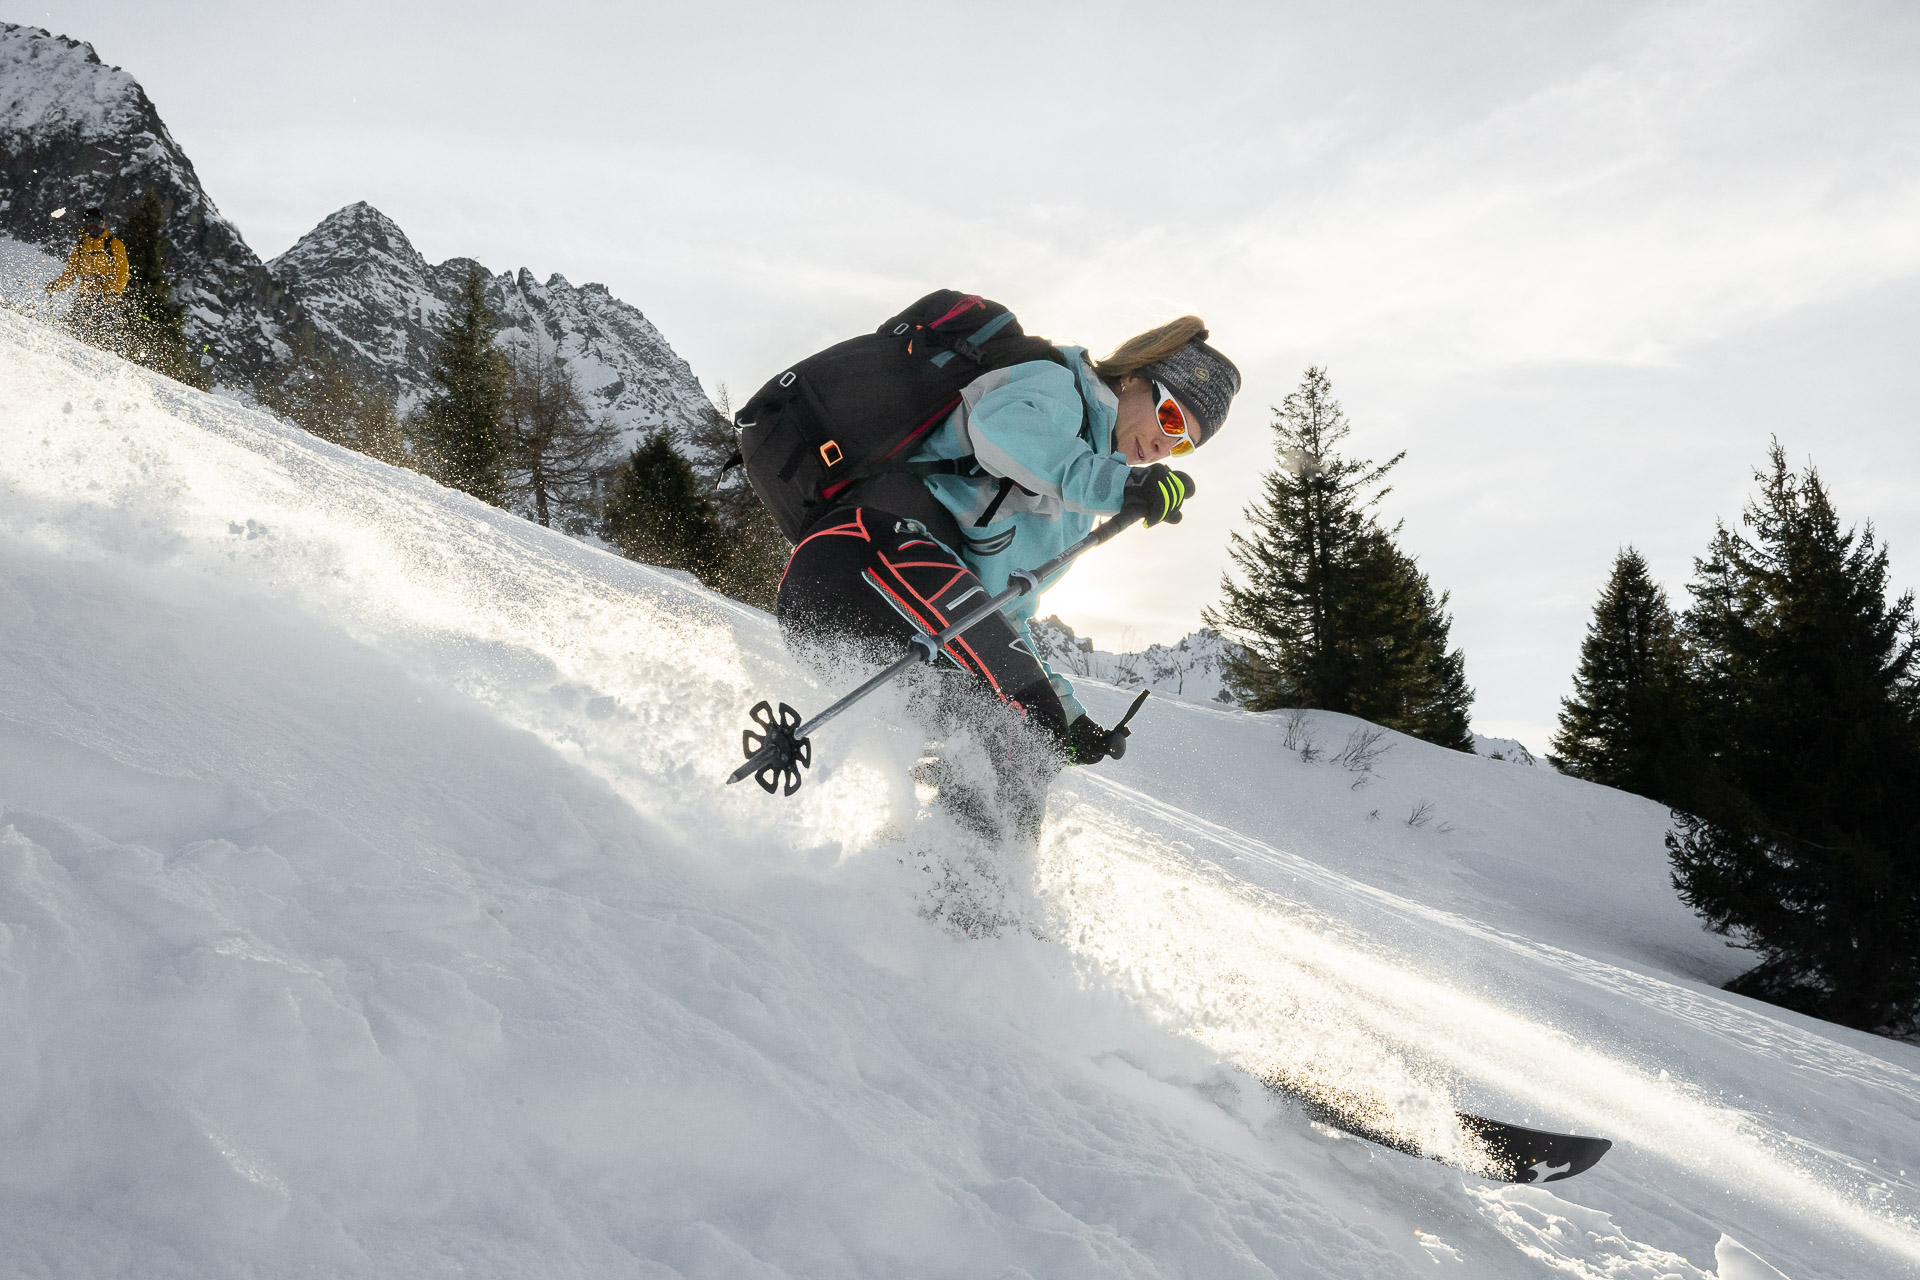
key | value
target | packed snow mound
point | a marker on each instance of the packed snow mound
(378, 304)
(1512, 750)
(370, 905)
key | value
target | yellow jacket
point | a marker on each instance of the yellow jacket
(99, 267)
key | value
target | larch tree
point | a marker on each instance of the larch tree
(560, 454)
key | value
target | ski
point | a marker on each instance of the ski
(1519, 1154)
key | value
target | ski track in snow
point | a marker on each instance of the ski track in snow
(370, 901)
(1515, 1063)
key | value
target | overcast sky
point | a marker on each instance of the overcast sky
(1579, 260)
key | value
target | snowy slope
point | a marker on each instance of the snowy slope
(369, 904)
(379, 305)
(75, 132)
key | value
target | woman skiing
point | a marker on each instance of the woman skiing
(1032, 456)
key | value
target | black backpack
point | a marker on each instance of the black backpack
(838, 427)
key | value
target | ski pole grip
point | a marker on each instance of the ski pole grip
(1115, 525)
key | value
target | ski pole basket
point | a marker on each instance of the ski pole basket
(781, 754)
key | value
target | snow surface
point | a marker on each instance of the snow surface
(370, 905)
(1512, 750)
(25, 270)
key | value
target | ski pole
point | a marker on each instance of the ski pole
(783, 745)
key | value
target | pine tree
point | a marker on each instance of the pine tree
(460, 431)
(155, 324)
(1408, 678)
(318, 393)
(756, 550)
(1333, 615)
(657, 512)
(560, 454)
(1801, 835)
(1624, 724)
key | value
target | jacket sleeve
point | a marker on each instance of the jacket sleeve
(1027, 429)
(68, 276)
(118, 252)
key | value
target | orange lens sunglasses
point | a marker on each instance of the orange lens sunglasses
(1173, 420)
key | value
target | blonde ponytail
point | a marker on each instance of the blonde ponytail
(1150, 347)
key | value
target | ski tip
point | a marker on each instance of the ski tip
(1535, 1155)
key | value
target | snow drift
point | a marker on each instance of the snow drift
(370, 904)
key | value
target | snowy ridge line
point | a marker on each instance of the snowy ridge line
(396, 556)
(1461, 1037)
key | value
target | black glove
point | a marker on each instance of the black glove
(1090, 743)
(1155, 493)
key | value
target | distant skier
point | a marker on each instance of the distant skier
(1035, 452)
(97, 272)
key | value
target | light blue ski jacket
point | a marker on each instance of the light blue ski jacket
(1043, 436)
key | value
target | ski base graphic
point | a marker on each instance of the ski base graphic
(1519, 1154)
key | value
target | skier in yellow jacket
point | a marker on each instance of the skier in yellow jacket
(97, 272)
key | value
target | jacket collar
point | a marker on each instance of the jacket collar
(1103, 407)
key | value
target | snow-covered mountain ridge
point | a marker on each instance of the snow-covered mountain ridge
(376, 303)
(74, 132)
(1194, 668)
(370, 905)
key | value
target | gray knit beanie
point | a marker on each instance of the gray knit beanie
(1201, 379)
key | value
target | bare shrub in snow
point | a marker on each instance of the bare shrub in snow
(1298, 736)
(1364, 746)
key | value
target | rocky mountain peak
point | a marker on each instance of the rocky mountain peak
(377, 304)
(350, 239)
(75, 132)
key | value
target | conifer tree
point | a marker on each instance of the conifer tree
(560, 454)
(1801, 836)
(756, 550)
(155, 324)
(1408, 678)
(315, 391)
(1623, 726)
(657, 512)
(1333, 615)
(460, 431)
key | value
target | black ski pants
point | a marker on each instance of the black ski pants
(871, 580)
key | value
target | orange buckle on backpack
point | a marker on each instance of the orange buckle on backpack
(830, 454)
